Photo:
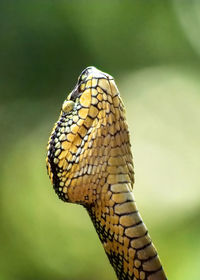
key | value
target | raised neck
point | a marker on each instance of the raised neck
(124, 236)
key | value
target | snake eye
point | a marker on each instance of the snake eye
(67, 106)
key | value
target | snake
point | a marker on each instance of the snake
(89, 162)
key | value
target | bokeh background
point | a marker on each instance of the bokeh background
(152, 48)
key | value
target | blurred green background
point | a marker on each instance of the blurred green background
(152, 48)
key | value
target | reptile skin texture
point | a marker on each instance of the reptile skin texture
(90, 163)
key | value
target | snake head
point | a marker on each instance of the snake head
(90, 133)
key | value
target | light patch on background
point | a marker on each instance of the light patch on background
(188, 13)
(163, 116)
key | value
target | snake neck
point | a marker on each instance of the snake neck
(124, 236)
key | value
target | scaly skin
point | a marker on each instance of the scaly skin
(90, 163)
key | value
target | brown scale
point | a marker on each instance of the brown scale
(90, 163)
